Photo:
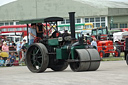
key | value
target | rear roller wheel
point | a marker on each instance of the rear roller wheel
(36, 58)
(60, 65)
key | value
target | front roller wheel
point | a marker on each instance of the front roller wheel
(36, 58)
(80, 55)
(86, 60)
(60, 65)
(95, 57)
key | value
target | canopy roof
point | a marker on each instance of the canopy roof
(41, 20)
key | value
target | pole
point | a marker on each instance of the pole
(27, 33)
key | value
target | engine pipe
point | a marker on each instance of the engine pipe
(72, 24)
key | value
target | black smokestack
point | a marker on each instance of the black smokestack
(72, 24)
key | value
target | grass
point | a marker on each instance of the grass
(111, 58)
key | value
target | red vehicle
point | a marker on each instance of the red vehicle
(124, 29)
(104, 46)
(13, 30)
(120, 41)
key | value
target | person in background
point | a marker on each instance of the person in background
(39, 30)
(24, 49)
(7, 62)
(32, 33)
(5, 50)
(5, 47)
(1, 61)
(19, 46)
(12, 57)
(13, 44)
(94, 43)
(4, 55)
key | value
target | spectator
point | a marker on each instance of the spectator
(39, 30)
(7, 62)
(24, 49)
(5, 47)
(12, 57)
(4, 55)
(13, 44)
(19, 45)
(1, 62)
(94, 43)
(32, 33)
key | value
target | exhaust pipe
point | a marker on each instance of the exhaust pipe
(72, 24)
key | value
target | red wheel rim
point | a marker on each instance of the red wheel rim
(101, 54)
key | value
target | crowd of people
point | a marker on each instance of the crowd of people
(9, 58)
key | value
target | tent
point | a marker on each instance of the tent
(119, 36)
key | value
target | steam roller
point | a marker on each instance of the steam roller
(60, 50)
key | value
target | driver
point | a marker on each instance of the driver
(39, 30)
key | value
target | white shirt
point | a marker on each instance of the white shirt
(94, 43)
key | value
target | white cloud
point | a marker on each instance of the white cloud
(3, 2)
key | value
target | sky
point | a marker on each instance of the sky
(2, 2)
